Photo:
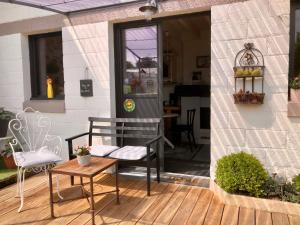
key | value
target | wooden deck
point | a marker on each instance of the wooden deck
(169, 204)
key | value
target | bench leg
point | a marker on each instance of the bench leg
(157, 167)
(148, 179)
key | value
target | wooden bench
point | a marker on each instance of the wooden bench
(144, 132)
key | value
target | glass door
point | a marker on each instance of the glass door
(138, 79)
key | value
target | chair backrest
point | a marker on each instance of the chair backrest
(137, 128)
(190, 117)
(30, 129)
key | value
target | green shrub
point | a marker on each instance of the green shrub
(296, 182)
(241, 173)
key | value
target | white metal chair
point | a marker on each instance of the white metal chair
(39, 150)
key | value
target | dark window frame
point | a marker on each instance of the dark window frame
(34, 72)
(294, 6)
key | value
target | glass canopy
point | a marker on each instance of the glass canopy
(70, 6)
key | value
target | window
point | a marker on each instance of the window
(46, 62)
(140, 64)
(295, 41)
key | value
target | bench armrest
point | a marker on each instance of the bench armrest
(76, 136)
(70, 144)
(148, 143)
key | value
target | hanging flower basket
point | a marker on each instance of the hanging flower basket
(248, 98)
(249, 66)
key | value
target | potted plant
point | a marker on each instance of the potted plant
(8, 158)
(295, 90)
(5, 117)
(83, 155)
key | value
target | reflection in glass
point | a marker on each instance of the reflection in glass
(141, 67)
(297, 44)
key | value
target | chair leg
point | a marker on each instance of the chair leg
(57, 186)
(21, 188)
(19, 178)
(190, 141)
(194, 141)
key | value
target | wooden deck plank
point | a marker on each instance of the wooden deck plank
(230, 215)
(247, 216)
(263, 218)
(294, 220)
(101, 204)
(200, 210)
(186, 208)
(114, 213)
(30, 183)
(65, 213)
(152, 213)
(280, 219)
(38, 200)
(214, 213)
(169, 204)
(144, 205)
(173, 205)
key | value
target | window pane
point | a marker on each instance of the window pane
(47, 58)
(140, 64)
(297, 44)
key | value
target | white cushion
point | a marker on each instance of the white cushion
(41, 157)
(102, 150)
(130, 153)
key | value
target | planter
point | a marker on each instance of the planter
(9, 162)
(295, 95)
(3, 127)
(255, 203)
(249, 98)
(84, 160)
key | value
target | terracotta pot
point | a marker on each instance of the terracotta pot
(84, 160)
(9, 162)
(295, 95)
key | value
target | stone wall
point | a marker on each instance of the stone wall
(263, 130)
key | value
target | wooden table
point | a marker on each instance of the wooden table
(72, 168)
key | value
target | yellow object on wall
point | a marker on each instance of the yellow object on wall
(49, 88)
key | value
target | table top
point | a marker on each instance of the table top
(74, 169)
(170, 115)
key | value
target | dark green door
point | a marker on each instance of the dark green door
(138, 71)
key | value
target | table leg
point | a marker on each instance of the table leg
(72, 180)
(117, 183)
(81, 181)
(51, 194)
(92, 200)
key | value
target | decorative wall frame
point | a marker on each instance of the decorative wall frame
(203, 61)
(249, 66)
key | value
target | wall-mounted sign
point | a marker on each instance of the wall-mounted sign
(86, 88)
(129, 105)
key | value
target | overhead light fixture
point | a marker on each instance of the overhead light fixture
(149, 9)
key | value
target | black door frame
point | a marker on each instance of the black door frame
(118, 44)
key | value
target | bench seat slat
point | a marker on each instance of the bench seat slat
(125, 135)
(125, 128)
(126, 120)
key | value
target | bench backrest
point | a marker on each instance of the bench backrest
(137, 128)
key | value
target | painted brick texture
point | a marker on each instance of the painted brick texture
(83, 46)
(265, 130)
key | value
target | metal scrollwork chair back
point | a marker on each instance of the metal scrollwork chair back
(33, 148)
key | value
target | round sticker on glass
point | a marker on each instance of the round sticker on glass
(129, 105)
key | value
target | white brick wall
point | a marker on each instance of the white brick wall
(264, 131)
(83, 46)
